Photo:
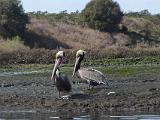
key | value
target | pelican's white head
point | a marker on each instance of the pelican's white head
(80, 53)
(79, 57)
(60, 54)
(59, 59)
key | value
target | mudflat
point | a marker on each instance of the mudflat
(38, 92)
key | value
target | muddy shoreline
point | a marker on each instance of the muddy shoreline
(37, 92)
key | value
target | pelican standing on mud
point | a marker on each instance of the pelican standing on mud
(92, 76)
(62, 82)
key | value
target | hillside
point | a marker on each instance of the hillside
(52, 32)
(147, 27)
(47, 31)
(64, 30)
(74, 36)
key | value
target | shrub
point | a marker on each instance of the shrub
(103, 15)
(11, 44)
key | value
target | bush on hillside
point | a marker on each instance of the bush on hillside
(12, 44)
(13, 20)
(104, 15)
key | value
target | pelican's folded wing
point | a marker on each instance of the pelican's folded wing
(92, 74)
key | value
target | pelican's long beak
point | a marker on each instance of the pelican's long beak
(77, 65)
(57, 64)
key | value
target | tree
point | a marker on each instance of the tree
(103, 15)
(13, 20)
(142, 13)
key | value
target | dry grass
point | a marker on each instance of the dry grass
(140, 24)
(137, 24)
(9, 45)
(78, 37)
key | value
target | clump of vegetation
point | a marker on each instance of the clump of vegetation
(42, 56)
(13, 20)
(103, 15)
(13, 44)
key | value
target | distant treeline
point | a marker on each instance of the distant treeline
(63, 16)
(73, 17)
(143, 13)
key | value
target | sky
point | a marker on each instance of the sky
(55, 6)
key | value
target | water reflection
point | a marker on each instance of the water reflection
(137, 117)
(25, 115)
(34, 115)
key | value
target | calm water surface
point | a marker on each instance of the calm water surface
(34, 115)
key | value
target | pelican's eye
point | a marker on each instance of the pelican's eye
(78, 56)
(59, 57)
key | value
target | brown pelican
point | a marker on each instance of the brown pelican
(92, 76)
(62, 82)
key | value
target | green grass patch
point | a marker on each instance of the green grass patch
(127, 71)
(120, 67)
(113, 71)
(146, 60)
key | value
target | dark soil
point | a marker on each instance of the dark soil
(141, 93)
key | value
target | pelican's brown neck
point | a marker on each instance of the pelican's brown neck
(78, 64)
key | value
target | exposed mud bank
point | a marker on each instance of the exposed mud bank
(141, 93)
